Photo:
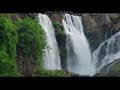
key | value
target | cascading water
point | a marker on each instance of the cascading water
(79, 58)
(78, 53)
(107, 52)
(51, 58)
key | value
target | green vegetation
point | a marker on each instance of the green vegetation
(113, 18)
(8, 41)
(22, 44)
(31, 41)
(51, 73)
(114, 68)
(58, 28)
(57, 24)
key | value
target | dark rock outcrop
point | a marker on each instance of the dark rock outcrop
(92, 31)
(24, 15)
(100, 75)
(112, 69)
(99, 27)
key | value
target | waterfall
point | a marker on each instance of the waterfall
(79, 58)
(52, 57)
(107, 52)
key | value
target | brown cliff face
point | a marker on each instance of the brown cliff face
(24, 15)
(99, 27)
(55, 17)
(92, 31)
(102, 19)
(25, 63)
(89, 24)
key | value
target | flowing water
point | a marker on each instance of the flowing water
(52, 57)
(79, 58)
(107, 52)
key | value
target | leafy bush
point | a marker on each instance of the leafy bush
(8, 41)
(57, 24)
(51, 73)
(31, 39)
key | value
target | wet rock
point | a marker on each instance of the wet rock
(92, 32)
(112, 69)
(100, 75)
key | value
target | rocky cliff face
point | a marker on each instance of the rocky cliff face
(99, 27)
(92, 31)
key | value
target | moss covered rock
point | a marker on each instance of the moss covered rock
(112, 69)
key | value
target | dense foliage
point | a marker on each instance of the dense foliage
(8, 41)
(59, 28)
(23, 36)
(31, 40)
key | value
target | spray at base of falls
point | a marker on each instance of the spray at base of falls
(79, 59)
(52, 57)
(107, 52)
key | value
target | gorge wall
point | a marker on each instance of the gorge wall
(97, 28)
